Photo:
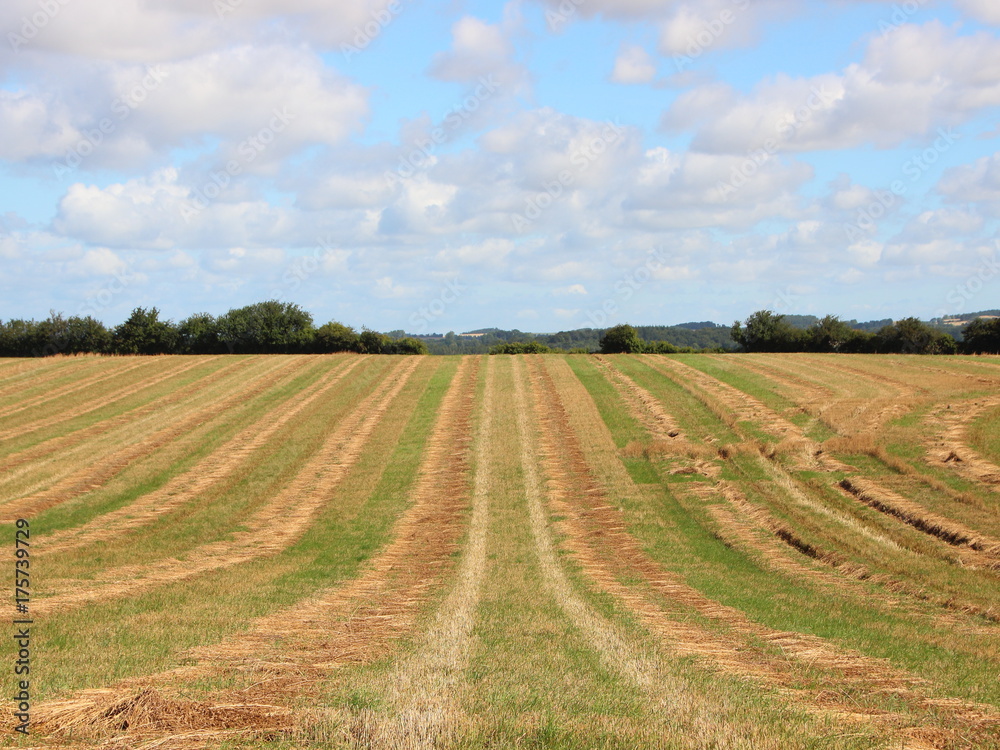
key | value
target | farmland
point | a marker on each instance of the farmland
(567, 551)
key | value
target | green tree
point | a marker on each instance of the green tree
(766, 331)
(335, 337)
(145, 333)
(621, 339)
(270, 327)
(913, 336)
(373, 342)
(982, 336)
(199, 334)
(830, 334)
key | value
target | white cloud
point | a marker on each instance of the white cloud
(633, 65)
(983, 10)
(911, 82)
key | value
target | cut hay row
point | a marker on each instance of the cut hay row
(30, 377)
(353, 623)
(153, 409)
(270, 530)
(101, 401)
(74, 482)
(862, 402)
(421, 693)
(914, 515)
(597, 532)
(210, 471)
(898, 507)
(948, 442)
(945, 529)
(723, 398)
(743, 406)
(539, 447)
(749, 527)
(117, 369)
(661, 424)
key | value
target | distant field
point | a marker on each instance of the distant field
(556, 551)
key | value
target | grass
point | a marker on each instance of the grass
(546, 622)
(984, 435)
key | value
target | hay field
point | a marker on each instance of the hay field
(548, 551)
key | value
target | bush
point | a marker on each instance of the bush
(622, 339)
(335, 337)
(520, 347)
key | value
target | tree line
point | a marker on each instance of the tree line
(766, 331)
(263, 328)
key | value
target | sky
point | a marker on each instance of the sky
(536, 164)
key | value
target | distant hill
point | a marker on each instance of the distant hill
(696, 335)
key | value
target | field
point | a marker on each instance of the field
(558, 551)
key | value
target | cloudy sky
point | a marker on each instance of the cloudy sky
(438, 165)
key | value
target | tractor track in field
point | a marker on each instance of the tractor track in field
(151, 410)
(271, 529)
(948, 441)
(355, 622)
(94, 475)
(74, 387)
(210, 470)
(98, 403)
(597, 537)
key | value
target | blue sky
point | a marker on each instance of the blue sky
(535, 164)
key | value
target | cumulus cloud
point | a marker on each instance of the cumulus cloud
(977, 184)
(633, 65)
(910, 82)
(96, 116)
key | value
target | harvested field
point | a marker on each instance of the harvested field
(622, 551)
